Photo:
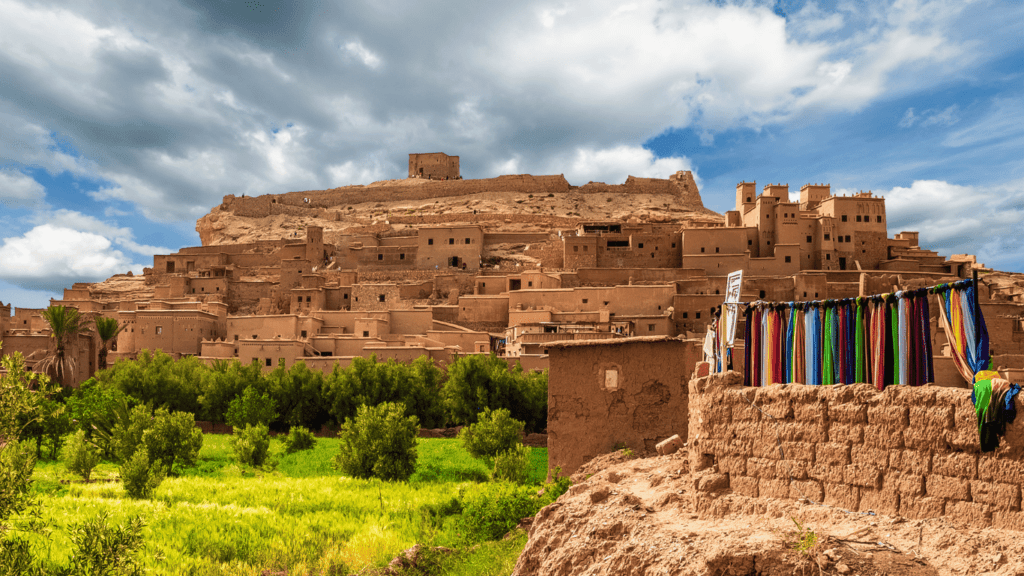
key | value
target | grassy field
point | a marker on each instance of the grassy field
(302, 517)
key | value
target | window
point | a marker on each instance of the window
(300, 299)
(236, 337)
(575, 248)
(451, 240)
(749, 243)
(467, 240)
(585, 300)
(584, 248)
(716, 249)
(640, 245)
(380, 256)
(847, 237)
(366, 333)
(401, 256)
(761, 294)
(346, 296)
(769, 242)
(701, 249)
(430, 241)
(268, 361)
(650, 327)
(828, 256)
(253, 336)
(827, 237)
(309, 298)
(605, 302)
(805, 294)
(673, 244)
(808, 239)
(380, 298)
(686, 314)
(303, 334)
(879, 218)
(844, 217)
(840, 238)
(789, 259)
(697, 315)
(159, 329)
(483, 284)
(529, 284)
(858, 217)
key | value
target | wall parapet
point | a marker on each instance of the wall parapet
(906, 451)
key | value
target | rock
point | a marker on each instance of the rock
(669, 445)
(842, 568)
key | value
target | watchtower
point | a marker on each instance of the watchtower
(434, 166)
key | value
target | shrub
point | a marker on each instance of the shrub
(17, 461)
(490, 512)
(477, 381)
(251, 409)
(127, 431)
(110, 550)
(79, 456)
(173, 439)
(251, 444)
(494, 433)
(513, 465)
(379, 442)
(299, 438)
(140, 475)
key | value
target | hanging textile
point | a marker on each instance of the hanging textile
(966, 333)
(882, 340)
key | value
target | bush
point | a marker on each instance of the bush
(513, 465)
(17, 461)
(494, 433)
(368, 382)
(103, 549)
(140, 475)
(495, 509)
(127, 431)
(379, 442)
(299, 438)
(251, 409)
(173, 439)
(79, 456)
(251, 444)
(476, 382)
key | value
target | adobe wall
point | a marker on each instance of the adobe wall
(618, 276)
(377, 297)
(907, 451)
(648, 403)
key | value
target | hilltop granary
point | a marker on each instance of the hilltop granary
(436, 265)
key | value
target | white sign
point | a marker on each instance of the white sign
(733, 286)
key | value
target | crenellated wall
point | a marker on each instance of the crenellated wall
(906, 451)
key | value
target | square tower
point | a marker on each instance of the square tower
(434, 166)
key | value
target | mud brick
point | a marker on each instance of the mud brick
(849, 433)
(744, 485)
(775, 407)
(718, 413)
(809, 412)
(732, 465)
(768, 488)
(742, 448)
(956, 464)
(947, 488)
(826, 473)
(879, 501)
(888, 416)
(931, 417)
(744, 412)
(801, 432)
(798, 451)
(964, 416)
(999, 496)
(832, 454)
(964, 435)
(848, 413)
(869, 456)
(883, 437)
(795, 469)
(1008, 520)
(767, 447)
(761, 467)
(905, 484)
(842, 496)
(994, 469)
(863, 476)
(920, 508)
(970, 513)
(929, 440)
(912, 461)
(806, 489)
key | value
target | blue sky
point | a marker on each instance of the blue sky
(121, 123)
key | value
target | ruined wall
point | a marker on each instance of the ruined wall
(907, 451)
(631, 392)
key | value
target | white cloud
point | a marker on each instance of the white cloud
(614, 165)
(952, 218)
(72, 220)
(363, 54)
(1004, 120)
(19, 190)
(931, 117)
(50, 257)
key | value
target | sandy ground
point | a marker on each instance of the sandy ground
(646, 516)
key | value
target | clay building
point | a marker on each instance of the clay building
(434, 166)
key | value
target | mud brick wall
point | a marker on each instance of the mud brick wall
(907, 451)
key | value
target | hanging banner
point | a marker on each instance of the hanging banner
(730, 313)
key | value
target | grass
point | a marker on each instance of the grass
(298, 514)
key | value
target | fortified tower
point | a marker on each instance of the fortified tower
(434, 166)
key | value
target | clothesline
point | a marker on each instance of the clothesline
(873, 298)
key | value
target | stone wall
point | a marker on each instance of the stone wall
(906, 451)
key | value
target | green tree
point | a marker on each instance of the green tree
(477, 381)
(107, 329)
(369, 382)
(251, 444)
(251, 409)
(66, 324)
(225, 381)
(79, 456)
(380, 441)
(493, 433)
(173, 438)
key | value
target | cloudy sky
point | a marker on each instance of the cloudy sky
(123, 122)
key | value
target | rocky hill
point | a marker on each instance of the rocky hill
(519, 203)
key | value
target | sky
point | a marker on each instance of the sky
(121, 123)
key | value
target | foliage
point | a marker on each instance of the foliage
(225, 381)
(172, 438)
(251, 444)
(803, 538)
(251, 409)
(158, 380)
(495, 432)
(128, 431)
(79, 456)
(493, 510)
(513, 465)
(107, 329)
(368, 382)
(379, 442)
(66, 323)
(104, 550)
(140, 475)
(299, 438)
(47, 423)
(477, 381)
(17, 461)
(298, 395)
(19, 400)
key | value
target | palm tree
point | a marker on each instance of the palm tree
(107, 329)
(65, 326)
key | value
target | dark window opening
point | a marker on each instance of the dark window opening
(268, 362)
(847, 238)
(430, 241)
(808, 238)
(575, 248)
(303, 334)
(309, 298)
(716, 249)
(760, 294)
(585, 300)
(366, 333)
(380, 256)
(789, 258)
(515, 284)
(451, 240)
(844, 218)
(618, 243)
(858, 218)
(401, 256)
(467, 240)
(827, 237)
(650, 327)
(686, 314)
(380, 298)
(879, 218)
(673, 244)
(640, 245)
(697, 315)
(170, 267)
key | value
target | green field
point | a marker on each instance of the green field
(301, 516)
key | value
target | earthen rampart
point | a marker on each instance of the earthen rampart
(906, 451)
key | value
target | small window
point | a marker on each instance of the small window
(640, 245)
(584, 248)
(847, 237)
(716, 249)
(380, 298)
(805, 294)
(253, 336)
(828, 256)
(673, 244)
(575, 248)
(380, 256)
(750, 242)
(808, 239)
(159, 329)
(843, 217)
(701, 249)
(827, 237)
(789, 259)
(605, 302)
(303, 334)
(483, 284)
(585, 300)
(300, 299)
(697, 315)
(761, 294)
(236, 337)
(839, 238)
(467, 240)
(309, 298)
(451, 240)
(769, 242)
(346, 296)
(879, 219)
(815, 294)
(268, 361)
(529, 284)
(686, 314)
(366, 333)
(858, 218)
(650, 327)
(430, 241)
(401, 256)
